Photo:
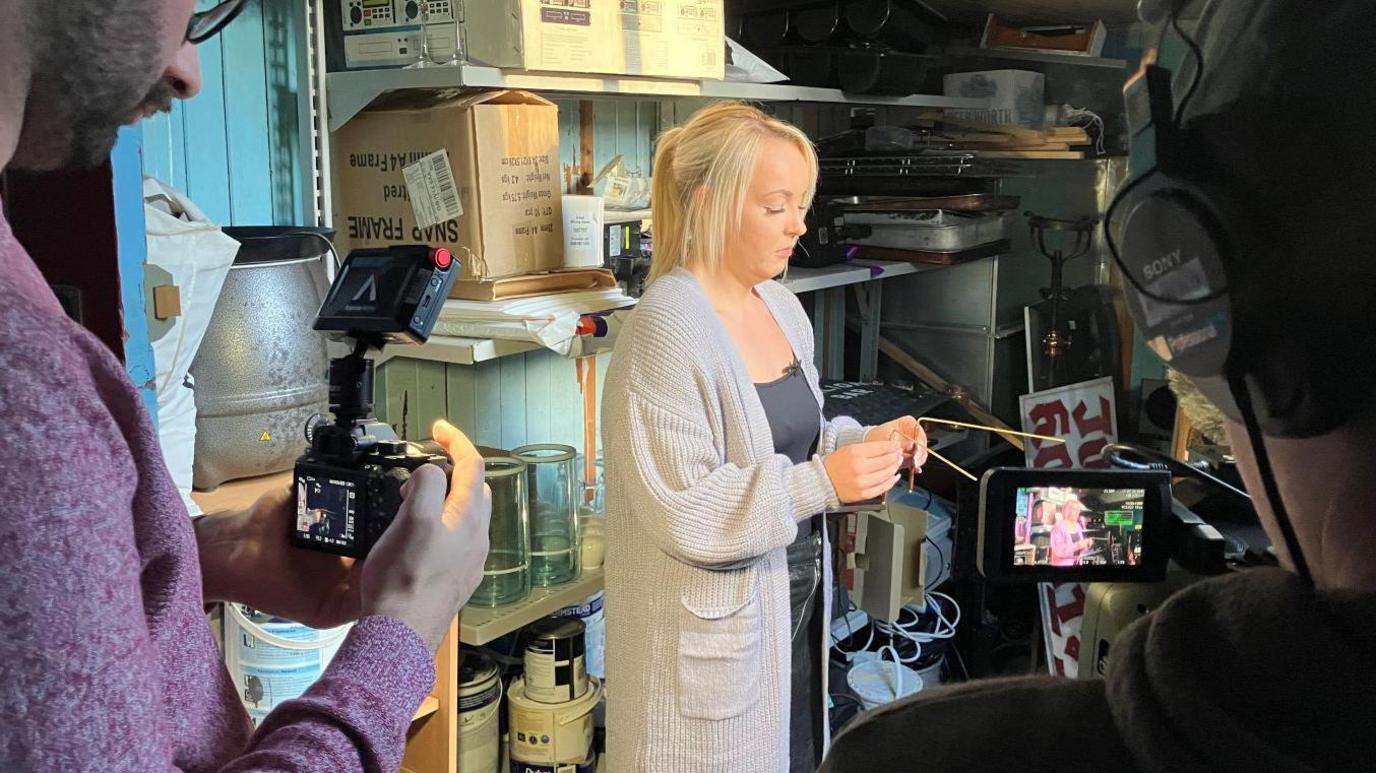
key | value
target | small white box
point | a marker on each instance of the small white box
(1016, 97)
(660, 38)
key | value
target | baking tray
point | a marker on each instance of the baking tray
(929, 230)
(973, 202)
(932, 257)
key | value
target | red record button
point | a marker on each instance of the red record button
(442, 258)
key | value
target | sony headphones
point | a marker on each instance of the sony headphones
(1184, 247)
(1177, 242)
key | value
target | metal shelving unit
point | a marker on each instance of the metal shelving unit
(351, 92)
(469, 351)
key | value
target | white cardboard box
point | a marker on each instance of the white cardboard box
(662, 38)
(1016, 97)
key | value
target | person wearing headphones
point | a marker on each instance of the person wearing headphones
(1243, 237)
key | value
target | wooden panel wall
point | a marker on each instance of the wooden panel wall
(532, 397)
(620, 126)
(503, 403)
(236, 149)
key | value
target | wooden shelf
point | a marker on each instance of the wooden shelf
(239, 494)
(427, 707)
(457, 351)
(470, 351)
(611, 216)
(478, 625)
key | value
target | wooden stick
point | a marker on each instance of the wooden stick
(910, 363)
(912, 470)
(999, 430)
(586, 368)
(952, 465)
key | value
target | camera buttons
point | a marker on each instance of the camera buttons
(442, 258)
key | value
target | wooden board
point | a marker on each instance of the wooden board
(1038, 11)
(432, 744)
(1042, 154)
(933, 258)
(240, 494)
(1017, 132)
(974, 202)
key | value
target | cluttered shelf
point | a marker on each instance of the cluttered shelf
(350, 92)
(470, 351)
(480, 625)
(457, 351)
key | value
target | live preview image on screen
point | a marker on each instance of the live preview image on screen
(325, 509)
(1060, 526)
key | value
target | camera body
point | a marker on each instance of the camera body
(1066, 525)
(345, 508)
(348, 483)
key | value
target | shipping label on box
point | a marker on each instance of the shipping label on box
(665, 38)
(502, 149)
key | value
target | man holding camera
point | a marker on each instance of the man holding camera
(108, 661)
(1265, 172)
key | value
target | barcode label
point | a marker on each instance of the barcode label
(434, 194)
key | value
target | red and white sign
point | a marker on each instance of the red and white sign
(1085, 416)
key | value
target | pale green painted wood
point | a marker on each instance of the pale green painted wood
(513, 401)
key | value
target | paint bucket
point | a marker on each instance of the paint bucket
(480, 700)
(874, 682)
(931, 673)
(272, 660)
(594, 632)
(552, 738)
(556, 670)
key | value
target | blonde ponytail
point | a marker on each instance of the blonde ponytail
(702, 172)
(667, 210)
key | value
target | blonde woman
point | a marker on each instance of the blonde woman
(719, 466)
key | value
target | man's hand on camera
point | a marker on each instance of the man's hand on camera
(247, 558)
(430, 560)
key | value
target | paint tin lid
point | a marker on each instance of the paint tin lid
(553, 628)
(475, 667)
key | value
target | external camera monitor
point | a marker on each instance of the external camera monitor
(1073, 525)
(393, 293)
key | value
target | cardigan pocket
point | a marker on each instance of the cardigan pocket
(720, 643)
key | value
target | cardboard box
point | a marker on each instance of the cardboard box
(1068, 39)
(1016, 97)
(577, 280)
(503, 149)
(664, 38)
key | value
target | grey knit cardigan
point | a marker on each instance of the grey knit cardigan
(699, 511)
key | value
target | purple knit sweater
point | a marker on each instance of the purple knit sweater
(106, 660)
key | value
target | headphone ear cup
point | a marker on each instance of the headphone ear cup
(1300, 380)
(1155, 11)
(1170, 247)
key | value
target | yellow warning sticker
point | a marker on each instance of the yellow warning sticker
(266, 437)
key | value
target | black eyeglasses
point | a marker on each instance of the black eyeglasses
(206, 24)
